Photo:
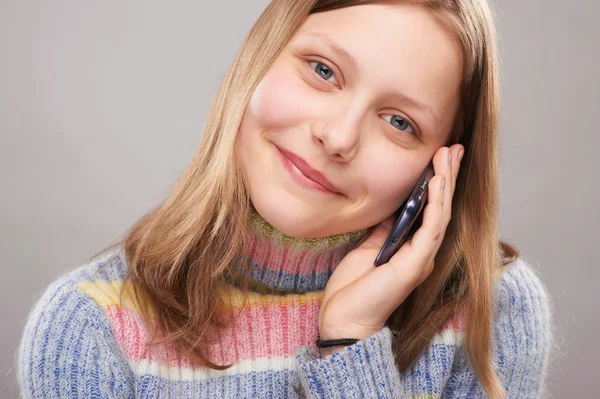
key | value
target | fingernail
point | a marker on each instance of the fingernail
(460, 155)
(443, 182)
(449, 156)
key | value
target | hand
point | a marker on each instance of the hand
(360, 297)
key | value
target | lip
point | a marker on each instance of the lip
(310, 175)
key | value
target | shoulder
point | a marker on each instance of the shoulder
(67, 340)
(73, 297)
(520, 294)
(68, 294)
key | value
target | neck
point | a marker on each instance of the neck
(281, 263)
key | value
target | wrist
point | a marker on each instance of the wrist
(337, 344)
(329, 331)
(341, 332)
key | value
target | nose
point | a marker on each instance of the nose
(339, 139)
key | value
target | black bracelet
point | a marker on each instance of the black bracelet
(326, 343)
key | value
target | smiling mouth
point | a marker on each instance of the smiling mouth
(301, 178)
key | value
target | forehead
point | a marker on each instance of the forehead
(400, 48)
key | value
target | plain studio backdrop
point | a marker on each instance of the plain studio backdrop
(102, 104)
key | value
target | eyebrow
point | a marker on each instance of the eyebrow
(334, 46)
(417, 104)
(352, 60)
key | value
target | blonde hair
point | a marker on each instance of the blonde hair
(176, 253)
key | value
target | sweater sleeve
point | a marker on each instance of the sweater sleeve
(364, 370)
(521, 339)
(67, 349)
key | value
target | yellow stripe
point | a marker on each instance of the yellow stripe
(106, 293)
(253, 298)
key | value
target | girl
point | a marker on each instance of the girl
(319, 132)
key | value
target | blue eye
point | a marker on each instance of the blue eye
(326, 73)
(402, 123)
(322, 70)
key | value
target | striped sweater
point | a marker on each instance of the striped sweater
(80, 340)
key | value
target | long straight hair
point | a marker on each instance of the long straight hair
(176, 256)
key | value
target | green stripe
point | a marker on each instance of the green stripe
(336, 240)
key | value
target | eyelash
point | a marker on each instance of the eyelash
(414, 130)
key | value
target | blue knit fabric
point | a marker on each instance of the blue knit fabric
(522, 337)
(68, 350)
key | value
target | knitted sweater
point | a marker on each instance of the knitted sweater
(80, 340)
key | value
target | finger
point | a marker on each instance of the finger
(446, 169)
(452, 175)
(456, 162)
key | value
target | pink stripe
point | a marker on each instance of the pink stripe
(263, 251)
(262, 330)
(284, 256)
(268, 249)
(301, 262)
(131, 335)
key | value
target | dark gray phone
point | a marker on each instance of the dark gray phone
(409, 212)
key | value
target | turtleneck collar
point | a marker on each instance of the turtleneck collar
(286, 264)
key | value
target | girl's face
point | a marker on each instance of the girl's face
(368, 117)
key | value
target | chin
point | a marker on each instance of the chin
(294, 219)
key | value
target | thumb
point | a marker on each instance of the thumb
(379, 234)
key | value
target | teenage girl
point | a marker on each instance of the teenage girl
(319, 132)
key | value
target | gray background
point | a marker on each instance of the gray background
(102, 103)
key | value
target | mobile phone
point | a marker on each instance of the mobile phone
(408, 213)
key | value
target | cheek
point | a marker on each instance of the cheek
(279, 100)
(390, 180)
